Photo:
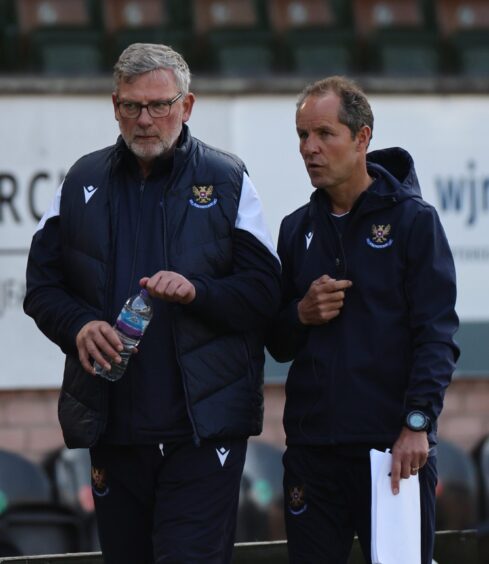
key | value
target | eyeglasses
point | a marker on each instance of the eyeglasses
(156, 109)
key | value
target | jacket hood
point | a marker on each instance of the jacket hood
(396, 166)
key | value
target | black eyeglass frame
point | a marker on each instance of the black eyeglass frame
(166, 103)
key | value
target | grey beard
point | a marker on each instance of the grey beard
(149, 152)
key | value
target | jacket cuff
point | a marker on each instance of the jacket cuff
(292, 316)
(200, 301)
(70, 341)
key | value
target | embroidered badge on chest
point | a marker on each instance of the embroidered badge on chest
(202, 197)
(380, 237)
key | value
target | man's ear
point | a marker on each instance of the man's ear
(114, 103)
(188, 104)
(363, 138)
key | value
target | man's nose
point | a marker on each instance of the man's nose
(144, 117)
(310, 146)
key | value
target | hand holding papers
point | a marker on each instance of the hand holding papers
(396, 519)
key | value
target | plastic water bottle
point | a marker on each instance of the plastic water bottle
(130, 326)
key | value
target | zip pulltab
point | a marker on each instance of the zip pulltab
(161, 446)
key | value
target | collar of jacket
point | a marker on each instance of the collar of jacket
(125, 160)
(320, 203)
(396, 180)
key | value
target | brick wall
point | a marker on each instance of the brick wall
(29, 424)
(465, 416)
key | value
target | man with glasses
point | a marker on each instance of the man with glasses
(164, 211)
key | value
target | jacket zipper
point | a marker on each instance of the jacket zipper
(340, 237)
(196, 437)
(340, 261)
(142, 185)
(342, 275)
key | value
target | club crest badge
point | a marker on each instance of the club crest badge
(202, 197)
(297, 504)
(99, 482)
(380, 237)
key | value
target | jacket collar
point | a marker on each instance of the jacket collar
(124, 158)
(396, 180)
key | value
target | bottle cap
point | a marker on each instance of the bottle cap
(144, 293)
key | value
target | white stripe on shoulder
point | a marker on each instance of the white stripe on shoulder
(53, 210)
(250, 215)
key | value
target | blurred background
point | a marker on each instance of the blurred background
(424, 65)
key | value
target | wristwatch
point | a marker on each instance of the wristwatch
(416, 420)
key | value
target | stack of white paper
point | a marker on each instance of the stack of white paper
(396, 519)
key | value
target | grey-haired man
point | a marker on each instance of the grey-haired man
(164, 211)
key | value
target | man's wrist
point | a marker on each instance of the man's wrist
(416, 420)
(300, 319)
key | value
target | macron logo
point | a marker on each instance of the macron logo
(222, 453)
(308, 238)
(89, 192)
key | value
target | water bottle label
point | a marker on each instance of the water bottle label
(130, 324)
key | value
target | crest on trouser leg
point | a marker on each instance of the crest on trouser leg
(99, 481)
(296, 501)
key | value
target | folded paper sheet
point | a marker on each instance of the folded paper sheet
(396, 519)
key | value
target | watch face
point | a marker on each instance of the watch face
(417, 420)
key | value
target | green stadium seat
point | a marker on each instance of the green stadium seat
(464, 26)
(60, 37)
(147, 21)
(396, 53)
(44, 528)
(314, 35)
(9, 37)
(233, 37)
(397, 38)
(67, 53)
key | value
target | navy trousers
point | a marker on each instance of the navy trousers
(171, 503)
(327, 500)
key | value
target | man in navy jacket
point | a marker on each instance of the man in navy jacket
(368, 320)
(161, 210)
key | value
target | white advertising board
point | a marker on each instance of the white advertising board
(41, 136)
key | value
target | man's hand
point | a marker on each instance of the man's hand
(323, 301)
(169, 286)
(409, 454)
(97, 340)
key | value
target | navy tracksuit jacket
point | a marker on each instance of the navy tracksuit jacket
(391, 349)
